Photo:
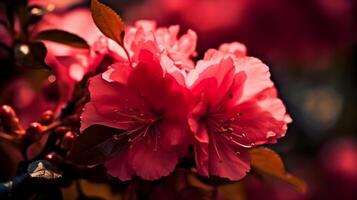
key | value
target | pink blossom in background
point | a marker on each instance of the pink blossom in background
(78, 21)
(149, 104)
(235, 107)
(71, 64)
(339, 159)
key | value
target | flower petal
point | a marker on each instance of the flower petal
(151, 164)
(232, 162)
(112, 104)
(258, 76)
(236, 48)
(120, 165)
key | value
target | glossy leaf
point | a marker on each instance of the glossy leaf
(267, 162)
(108, 21)
(95, 145)
(62, 37)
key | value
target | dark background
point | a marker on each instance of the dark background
(311, 49)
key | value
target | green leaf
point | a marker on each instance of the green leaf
(95, 145)
(62, 37)
(108, 21)
(266, 162)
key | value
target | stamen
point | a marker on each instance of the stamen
(134, 130)
(216, 149)
(238, 143)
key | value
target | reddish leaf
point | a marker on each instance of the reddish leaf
(232, 191)
(267, 162)
(108, 21)
(95, 145)
(62, 37)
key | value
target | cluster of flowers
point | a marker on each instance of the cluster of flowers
(161, 102)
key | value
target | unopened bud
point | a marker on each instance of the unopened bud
(34, 132)
(73, 120)
(60, 131)
(47, 117)
(10, 121)
(67, 140)
(54, 158)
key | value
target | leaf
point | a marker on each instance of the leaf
(95, 145)
(108, 21)
(267, 162)
(63, 37)
(232, 191)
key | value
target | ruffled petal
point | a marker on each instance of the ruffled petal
(235, 48)
(260, 121)
(258, 76)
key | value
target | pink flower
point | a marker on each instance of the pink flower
(235, 107)
(146, 34)
(149, 105)
(71, 64)
(71, 67)
(70, 21)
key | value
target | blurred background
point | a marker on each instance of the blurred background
(311, 49)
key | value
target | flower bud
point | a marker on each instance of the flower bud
(68, 139)
(54, 158)
(10, 121)
(34, 132)
(60, 131)
(47, 117)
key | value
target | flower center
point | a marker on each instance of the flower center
(223, 128)
(141, 125)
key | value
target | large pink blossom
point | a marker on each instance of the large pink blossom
(149, 105)
(145, 96)
(235, 107)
